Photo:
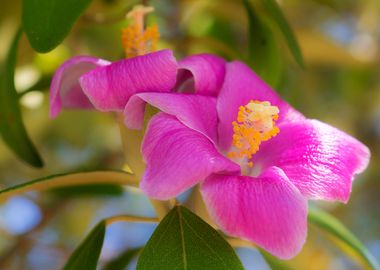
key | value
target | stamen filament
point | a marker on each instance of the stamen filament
(136, 39)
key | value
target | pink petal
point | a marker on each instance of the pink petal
(110, 87)
(241, 85)
(268, 210)
(65, 89)
(195, 111)
(177, 158)
(206, 70)
(320, 160)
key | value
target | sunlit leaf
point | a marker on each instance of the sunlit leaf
(263, 53)
(184, 241)
(70, 179)
(275, 11)
(47, 22)
(86, 255)
(337, 229)
(123, 260)
(11, 125)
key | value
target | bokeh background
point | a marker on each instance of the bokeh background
(340, 85)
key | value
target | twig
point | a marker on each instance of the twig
(129, 218)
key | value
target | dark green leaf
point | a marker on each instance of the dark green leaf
(47, 22)
(263, 53)
(70, 179)
(122, 261)
(89, 190)
(11, 125)
(337, 229)
(86, 255)
(275, 11)
(273, 262)
(184, 241)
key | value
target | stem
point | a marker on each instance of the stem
(128, 218)
(236, 243)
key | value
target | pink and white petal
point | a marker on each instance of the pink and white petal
(109, 88)
(320, 160)
(177, 158)
(194, 111)
(65, 89)
(206, 70)
(241, 85)
(268, 210)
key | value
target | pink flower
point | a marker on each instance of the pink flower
(257, 159)
(87, 82)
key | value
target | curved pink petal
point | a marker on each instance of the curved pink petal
(65, 89)
(177, 158)
(206, 70)
(268, 210)
(110, 87)
(195, 111)
(320, 160)
(241, 85)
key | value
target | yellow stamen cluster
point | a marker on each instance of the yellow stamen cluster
(136, 39)
(256, 123)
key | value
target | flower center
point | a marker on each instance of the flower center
(256, 123)
(136, 39)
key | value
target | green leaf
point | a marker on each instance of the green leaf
(184, 241)
(263, 53)
(275, 12)
(70, 179)
(89, 190)
(86, 255)
(12, 127)
(47, 22)
(273, 262)
(337, 229)
(122, 261)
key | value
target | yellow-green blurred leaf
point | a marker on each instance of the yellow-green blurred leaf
(264, 55)
(275, 11)
(337, 229)
(11, 124)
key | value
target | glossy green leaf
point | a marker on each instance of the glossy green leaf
(70, 179)
(123, 260)
(184, 241)
(337, 229)
(12, 128)
(275, 12)
(273, 262)
(86, 255)
(263, 53)
(47, 22)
